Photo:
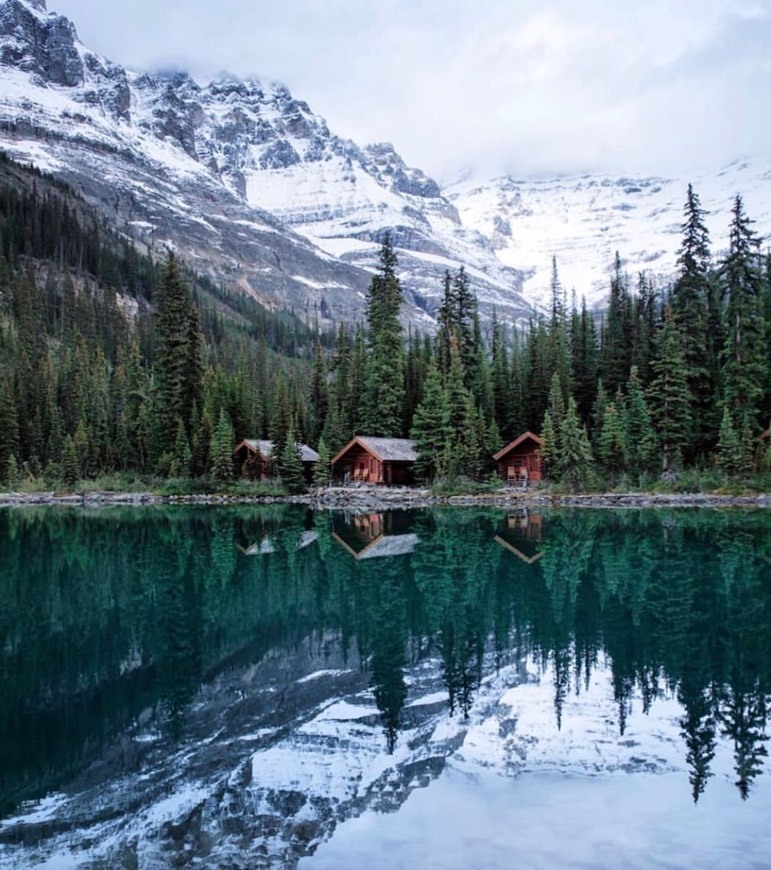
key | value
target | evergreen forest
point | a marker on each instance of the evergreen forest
(116, 363)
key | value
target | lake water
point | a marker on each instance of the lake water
(266, 686)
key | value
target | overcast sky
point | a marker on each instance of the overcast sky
(529, 87)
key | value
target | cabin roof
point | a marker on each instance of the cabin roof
(516, 442)
(384, 449)
(265, 449)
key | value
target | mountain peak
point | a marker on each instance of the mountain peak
(38, 4)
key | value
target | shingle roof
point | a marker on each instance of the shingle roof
(391, 449)
(265, 448)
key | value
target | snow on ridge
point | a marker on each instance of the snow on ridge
(584, 219)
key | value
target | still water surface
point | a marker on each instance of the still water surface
(247, 687)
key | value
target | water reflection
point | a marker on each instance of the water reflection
(114, 619)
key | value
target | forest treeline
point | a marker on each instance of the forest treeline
(113, 362)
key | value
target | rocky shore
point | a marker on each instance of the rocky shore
(378, 498)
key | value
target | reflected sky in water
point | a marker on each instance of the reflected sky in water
(273, 684)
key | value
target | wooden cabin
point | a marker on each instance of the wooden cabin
(254, 459)
(520, 461)
(376, 460)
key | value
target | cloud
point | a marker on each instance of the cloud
(524, 87)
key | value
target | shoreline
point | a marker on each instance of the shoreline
(381, 498)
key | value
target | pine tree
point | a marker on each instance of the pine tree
(690, 309)
(181, 455)
(729, 447)
(615, 346)
(559, 350)
(431, 427)
(638, 432)
(574, 463)
(322, 473)
(583, 341)
(611, 442)
(550, 448)
(290, 465)
(178, 365)
(9, 430)
(319, 402)
(382, 407)
(222, 445)
(669, 398)
(69, 462)
(745, 352)
(501, 377)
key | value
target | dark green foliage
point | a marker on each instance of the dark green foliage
(745, 354)
(611, 448)
(70, 467)
(383, 399)
(178, 364)
(222, 446)
(73, 364)
(574, 456)
(290, 468)
(9, 430)
(638, 431)
(322, 473)
(431, 427)
(669, 396)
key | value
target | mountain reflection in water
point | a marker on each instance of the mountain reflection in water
(277, 671)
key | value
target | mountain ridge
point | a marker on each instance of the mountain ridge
(252, 188)
(244, 180)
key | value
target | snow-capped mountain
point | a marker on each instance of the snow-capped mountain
(253, 189)
(245, 181)
(584, 220)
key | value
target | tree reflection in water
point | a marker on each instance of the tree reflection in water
(106, 615)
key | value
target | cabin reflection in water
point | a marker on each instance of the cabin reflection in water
(521, 533)
(268, 545)
(376, 535)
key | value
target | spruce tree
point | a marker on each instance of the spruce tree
(322, 473)
(638, 432)
(616, 347)
(290, 467)
(181, 455)
(574, 461)
(550, 449)
(690, 309)
(178, 367)
(9, 429)
(69, 462)
(729, 448)
(669, 398)
(319, 400)
(431, 427)
(222, 446)
(382, 407)
(745, 353)
(611, 442)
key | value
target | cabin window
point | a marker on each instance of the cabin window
(373, 465)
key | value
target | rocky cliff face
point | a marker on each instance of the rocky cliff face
(243, 179)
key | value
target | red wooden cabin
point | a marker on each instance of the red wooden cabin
(376, 460)
(521, 460)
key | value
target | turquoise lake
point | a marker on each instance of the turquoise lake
(272, 687)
